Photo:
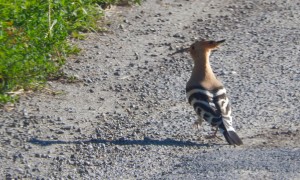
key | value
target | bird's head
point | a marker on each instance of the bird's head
(201, 47)
(205, 45)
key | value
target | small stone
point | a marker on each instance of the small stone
(88, 80)
(87, 163)
(121, 26)
(66, 128)
(59, 132)
(152, 30)
(117, 73)
(45, 156)
(91, 108)
(19, 170)
(25, 113)
(178, 35)
(223, 72)
(37, 155)
(27, 147)
(90, 146)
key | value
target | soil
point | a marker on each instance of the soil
(123, 112)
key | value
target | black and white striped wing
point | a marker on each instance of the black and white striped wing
(223, 107)
(214, 107)
(222, 103)
(202, 101)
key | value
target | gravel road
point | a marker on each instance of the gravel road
(127, 117)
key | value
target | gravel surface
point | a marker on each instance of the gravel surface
(127, 116)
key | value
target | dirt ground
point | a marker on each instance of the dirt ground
(126, 115)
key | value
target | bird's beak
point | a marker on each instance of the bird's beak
(220, 42)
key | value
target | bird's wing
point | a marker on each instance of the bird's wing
(223, 107)
(201, 100)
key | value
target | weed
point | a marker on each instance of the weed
(33, 38)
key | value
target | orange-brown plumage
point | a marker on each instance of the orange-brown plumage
(202, 72)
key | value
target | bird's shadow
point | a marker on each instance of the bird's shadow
(146, 141)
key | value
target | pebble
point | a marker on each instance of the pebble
(234, 72)
(37, 155)
(88, 80)
(178, 35)
(25, 113)
(224, 72)
(19, 170)
(121, 26)
(117, 73)
(59, 132)
(152, 30)
(27, 147)
(66, 128)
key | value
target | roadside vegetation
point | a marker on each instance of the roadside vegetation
(33, 39)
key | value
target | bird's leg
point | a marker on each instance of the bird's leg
(214, 135)
(198, 123)
(215, 132)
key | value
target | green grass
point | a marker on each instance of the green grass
(33, 38)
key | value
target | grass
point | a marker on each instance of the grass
(33, 39)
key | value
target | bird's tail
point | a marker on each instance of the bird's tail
(231, 136)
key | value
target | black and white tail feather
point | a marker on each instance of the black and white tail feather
(213, 106)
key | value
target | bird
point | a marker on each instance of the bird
(207, 94)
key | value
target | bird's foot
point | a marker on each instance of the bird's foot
(198, 123)
(214, 135)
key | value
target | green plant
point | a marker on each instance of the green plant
(33, 38)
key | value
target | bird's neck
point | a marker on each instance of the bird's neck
(202, 72)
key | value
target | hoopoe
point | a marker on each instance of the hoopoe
(207, 94)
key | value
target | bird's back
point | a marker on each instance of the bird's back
(205, 102)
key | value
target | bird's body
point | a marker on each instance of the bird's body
(207, 94)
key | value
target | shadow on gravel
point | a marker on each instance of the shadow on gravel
(122, 141)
